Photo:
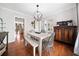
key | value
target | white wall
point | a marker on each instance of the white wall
(66, 13)
(8, 17)
(61, 14)
(69, 14)
(78, 16)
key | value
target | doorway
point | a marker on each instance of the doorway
(19, 28)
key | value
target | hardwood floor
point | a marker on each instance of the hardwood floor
(18, 48)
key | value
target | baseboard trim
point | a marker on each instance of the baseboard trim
(11, 41)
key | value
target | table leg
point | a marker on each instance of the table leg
(33, 51)
(40, 47)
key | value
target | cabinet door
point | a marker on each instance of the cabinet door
(66, 34)
(71, 32)
(57, 34)
(60, 34)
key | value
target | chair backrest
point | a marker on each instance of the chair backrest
(51, 39)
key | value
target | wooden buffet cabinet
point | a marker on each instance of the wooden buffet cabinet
(66, 34)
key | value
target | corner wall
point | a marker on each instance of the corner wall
(8, 17)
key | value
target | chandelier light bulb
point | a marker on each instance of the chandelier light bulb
(38, 14)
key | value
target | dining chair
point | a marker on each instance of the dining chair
(32, 42)
(48, 43)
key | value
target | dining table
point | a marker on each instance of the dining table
(40, 37)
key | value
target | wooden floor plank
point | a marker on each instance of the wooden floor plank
(19, 49)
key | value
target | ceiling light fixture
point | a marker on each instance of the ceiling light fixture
(38, 15)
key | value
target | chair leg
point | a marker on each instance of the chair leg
(34, 51)
(49, 51)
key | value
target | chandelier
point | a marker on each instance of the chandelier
(38, 15)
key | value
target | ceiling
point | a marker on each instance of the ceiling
(29, 8)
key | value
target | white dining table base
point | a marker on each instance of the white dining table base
(40, 37)
(40, 47)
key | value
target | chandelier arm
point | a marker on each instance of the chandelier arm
(38, 14)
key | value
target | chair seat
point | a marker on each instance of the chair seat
(34, 43)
